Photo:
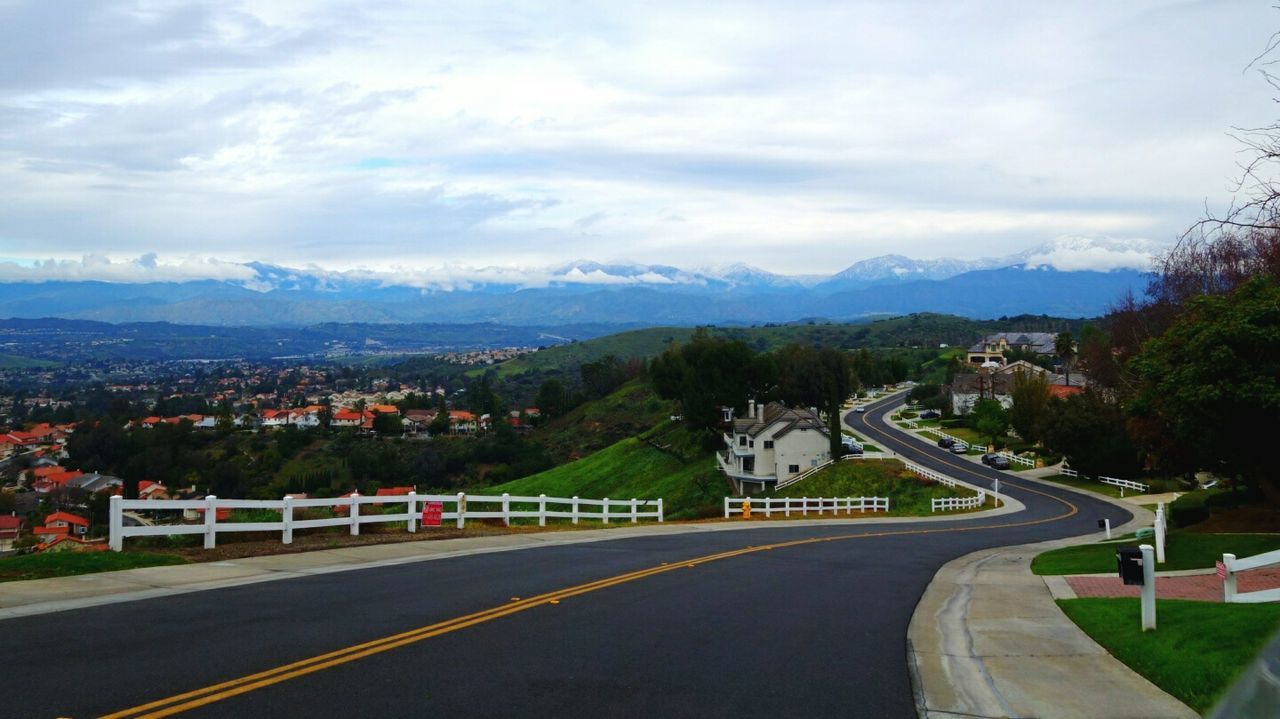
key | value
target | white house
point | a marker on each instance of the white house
(773, 443)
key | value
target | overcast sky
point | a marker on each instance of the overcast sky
(797, 136)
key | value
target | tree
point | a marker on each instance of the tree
(440, 425)
(1212, 381)
(1090, 431)
(1030, 395)
(990, 419)
(1064, 345)
(387, 424)
(552, 398)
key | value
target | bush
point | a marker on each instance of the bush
(952, 423)
(1191, 508)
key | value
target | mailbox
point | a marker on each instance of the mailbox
(1129, 560)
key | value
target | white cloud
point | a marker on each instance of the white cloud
(142, 269)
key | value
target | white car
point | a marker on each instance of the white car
(859, 410)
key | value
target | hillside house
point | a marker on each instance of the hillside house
(10, 524)
(69, 523)
(773, 443)
(347, 418)
(992, 347)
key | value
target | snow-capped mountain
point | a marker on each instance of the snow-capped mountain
(1072, 275)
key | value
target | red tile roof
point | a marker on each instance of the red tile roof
(67, 517)
(10, 522)
(1063, 391)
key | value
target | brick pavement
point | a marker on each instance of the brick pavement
(1200, 587)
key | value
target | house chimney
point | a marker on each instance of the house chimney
(760, 412)
(751, 408)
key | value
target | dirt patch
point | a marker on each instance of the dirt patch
(1254, 518)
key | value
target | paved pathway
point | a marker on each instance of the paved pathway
(1201, 587)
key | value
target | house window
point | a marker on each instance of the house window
(752, 444)
(742, 440)
(768, 444)
(793, 468)
(813, 463)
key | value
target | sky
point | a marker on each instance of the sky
(154, 138)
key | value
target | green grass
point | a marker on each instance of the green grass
(19, 362)
(686, 477)
(631, 410)
(66, 564)
(1197, 649)
(908, 494)
(1091, 485)
(1183, 550)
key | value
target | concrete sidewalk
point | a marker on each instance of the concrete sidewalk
(42, 596)
(987, 640)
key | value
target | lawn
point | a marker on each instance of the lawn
(66, 564)
(1197, 649)
(908, 494)
(1183, 550)
(1091, 485)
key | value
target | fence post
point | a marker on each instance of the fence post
(542, 510)
(1148, 587)
(1160, 533)
(210, 520)
(604, 511)
(1229, 581)
(117, 523)
(634, 509)
(355, 513)
(506, 509)
(413, 511)
(660, 510)
(574, 510)
(768, 506)
(286, 519)
(462, 509)
(786, 507)
(726, 507)
(804, 506)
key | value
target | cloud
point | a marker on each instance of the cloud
(141, 270)
(1075, 254)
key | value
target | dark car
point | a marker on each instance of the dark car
(853, 449)
(988, 458)
(959, 448)
(946, 442)
(1000, 463)
(930, 414)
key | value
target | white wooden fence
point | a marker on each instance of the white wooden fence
(1123, 483)
(944, 435)
(458, 508)
(803, 505)
(1231, 565)
(947, 503)
(926, 473)
(796, 478)
(1068, 472)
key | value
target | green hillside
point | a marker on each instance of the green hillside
(18, 362)
(631, 410)
(924, 330)
(908, 494)
(682, 473)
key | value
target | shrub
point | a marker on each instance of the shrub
(1191, 508)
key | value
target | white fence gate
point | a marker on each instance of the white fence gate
(458, 508)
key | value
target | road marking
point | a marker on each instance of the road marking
(186, 701)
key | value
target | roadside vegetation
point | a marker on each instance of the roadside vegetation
(1196, 652)
(908, 494)
(65, 564)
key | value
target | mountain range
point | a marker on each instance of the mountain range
(1068, 277)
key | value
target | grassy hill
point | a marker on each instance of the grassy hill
(18, 362)
(680, 472)
(908, 494)
(631, 410)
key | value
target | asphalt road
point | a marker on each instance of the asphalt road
(817, 628)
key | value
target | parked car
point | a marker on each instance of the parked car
(946, 442)
(930, 414)
(1000, 463)
(852, 449)
(988, 458)
(959, 448)
(859, 410)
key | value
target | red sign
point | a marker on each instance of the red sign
(1222, 569)
(431, 512)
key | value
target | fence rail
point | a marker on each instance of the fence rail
(803, 505)
(457, 508)
(1232, 566)
(926, 473)
(1123, 483)
(946, 503)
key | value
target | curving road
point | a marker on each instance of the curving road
(783, 620)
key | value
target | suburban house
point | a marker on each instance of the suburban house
(993, 347)
(773, 443)
(346, 418)
(418, 421)
(93, 482)
(55, 480)
(9, 526)
(462, 422)
(69, 523)
(275, 418)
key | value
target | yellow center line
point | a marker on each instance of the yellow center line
(225, 690)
